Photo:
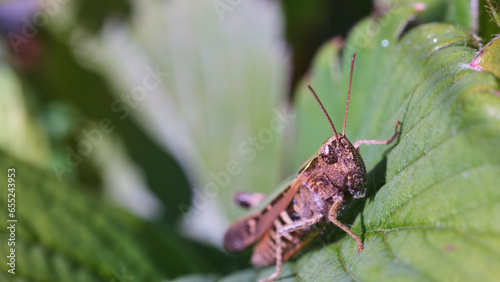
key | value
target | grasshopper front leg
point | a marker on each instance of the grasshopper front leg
(332, 216)
(358, 143)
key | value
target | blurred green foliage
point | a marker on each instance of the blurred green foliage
(308, 26)
(90, 94)
(63, 234)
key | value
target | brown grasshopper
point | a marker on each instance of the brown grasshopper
(325, 184)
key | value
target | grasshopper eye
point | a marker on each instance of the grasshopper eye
(329, 156)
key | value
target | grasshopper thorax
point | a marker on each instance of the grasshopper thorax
(344, 166)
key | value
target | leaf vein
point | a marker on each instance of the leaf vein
(341, 259)
(397, 259)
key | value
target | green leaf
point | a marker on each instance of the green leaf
(20, 135)
(435, 217)
(488, 59)
(432, 206)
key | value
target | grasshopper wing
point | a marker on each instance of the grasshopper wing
(307, 163)
(247, 230)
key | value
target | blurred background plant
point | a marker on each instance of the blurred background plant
(141, 107)
(131, 123)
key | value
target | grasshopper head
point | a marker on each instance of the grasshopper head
(343, 164)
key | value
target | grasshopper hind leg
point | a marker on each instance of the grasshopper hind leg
(282, 232)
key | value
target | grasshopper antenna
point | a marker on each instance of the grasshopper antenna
(348, 92)
(324, 111)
